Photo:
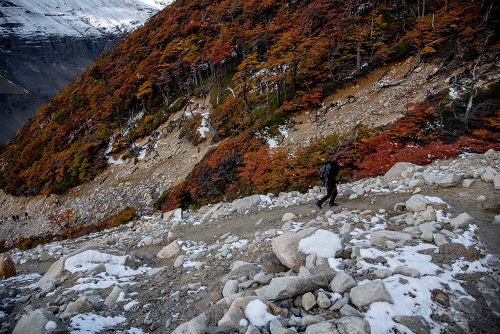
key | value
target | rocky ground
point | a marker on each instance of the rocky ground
(414, 251)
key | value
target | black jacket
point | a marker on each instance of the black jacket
(333, 173)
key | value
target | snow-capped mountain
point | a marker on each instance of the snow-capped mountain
(88, 18)
(45, 44)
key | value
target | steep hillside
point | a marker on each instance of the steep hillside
(261, 63)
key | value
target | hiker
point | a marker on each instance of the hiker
(26, 215)
(57, 202)
(330, 180)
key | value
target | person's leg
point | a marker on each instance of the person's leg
(326, 197)
(333, 196)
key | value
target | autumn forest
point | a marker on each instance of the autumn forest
(261, 62)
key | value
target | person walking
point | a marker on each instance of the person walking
(330, 180)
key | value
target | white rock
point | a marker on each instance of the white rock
(462, 220)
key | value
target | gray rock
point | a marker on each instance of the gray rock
(276, 327)
(340, 303)
(230, 288)
(288, 216)
(247, 202)
(113, 296)
(416, 183)
(263, 278)
(353, 325)
(342, 282)
(232, 318)
(466, 183)
(379, 238)
(271, 264)
(440, 239)
(323, 300)
(251, 329)
(308, 301)
(382, 273)
(81, 305)
(179, 261)
(418, 203)
(417, 324)
(288, 287)
(443, 180)
(322, 328)
(496, 182)
(407, 271)
(349, 311)
(397, 169)
(428, 215)
(489, 175)
(365, 294)
(196, 325)
(462, 220)
(247, 270)
(40, 321)
(286, 247)
(169, 251)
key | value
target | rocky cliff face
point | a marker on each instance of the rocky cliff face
(34, 71)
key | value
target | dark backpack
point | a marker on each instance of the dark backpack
(324, 171)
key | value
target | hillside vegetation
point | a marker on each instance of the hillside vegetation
(261, 62)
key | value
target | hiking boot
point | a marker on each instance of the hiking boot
(318, 203)
(333, 204)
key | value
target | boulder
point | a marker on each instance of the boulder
(276, 327)
(342, 282)
(349, 311)
(496, 182)
(353, 325)
(292, 286)
(271, 264)
(286, 248)
(79, 306)
(406, 271)
(418, 203)
(232, 318)
(382, 273)
(113, 296)
(443, 180)
(417, 324)
(462, 220)
(230, 288)
(368, 293)
(40, 321)
(379, 238)
(169, 251)
(323, 300)
(308, 301)
(196, 325)
(322, 328)
(397, 169)
(489, 174)
(247, 202)
(288, 216)
(7, 267)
